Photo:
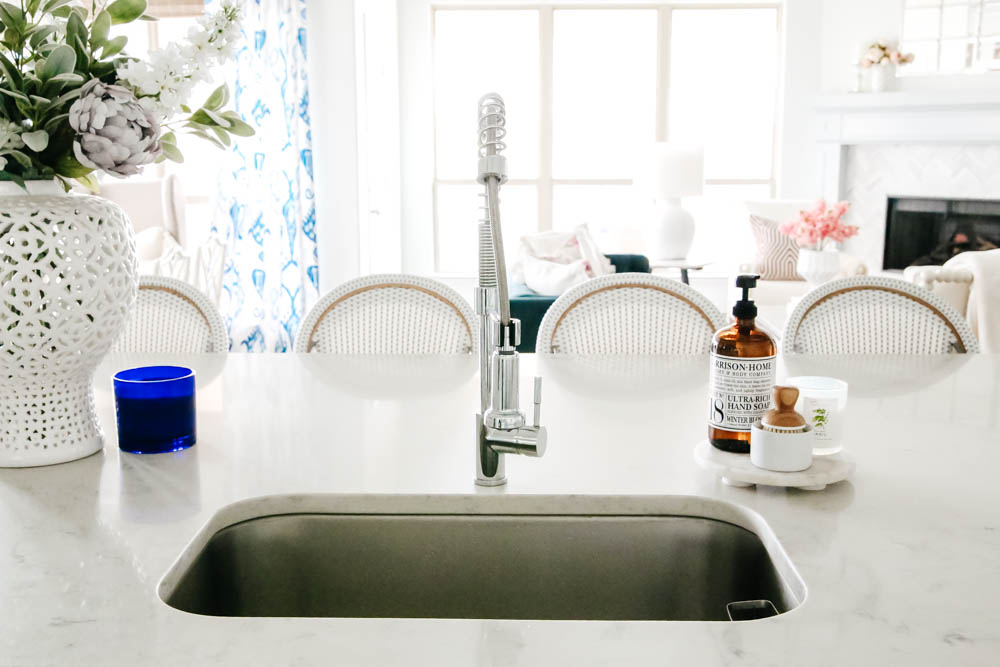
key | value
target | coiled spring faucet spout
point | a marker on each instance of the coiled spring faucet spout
(501, 427)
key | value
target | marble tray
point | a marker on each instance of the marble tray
(737, 470)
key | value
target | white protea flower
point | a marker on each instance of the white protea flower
(115, 133)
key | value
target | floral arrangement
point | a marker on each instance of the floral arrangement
(815, 227)
(74, 102)
(881, 53)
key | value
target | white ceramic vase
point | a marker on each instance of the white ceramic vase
(883, 77)
(670, 231)
(68, 270)
(818, 266)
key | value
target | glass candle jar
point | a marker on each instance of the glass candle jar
(822, 401)
(155, 406)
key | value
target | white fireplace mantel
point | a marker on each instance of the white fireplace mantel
(953, 117)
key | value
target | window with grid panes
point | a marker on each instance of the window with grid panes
(586, 89)
(951, 36)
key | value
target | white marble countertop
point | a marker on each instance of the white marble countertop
(901, 564)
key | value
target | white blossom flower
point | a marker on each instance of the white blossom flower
(164, 82)
(10, 135)
(214, 39)
(10, 139)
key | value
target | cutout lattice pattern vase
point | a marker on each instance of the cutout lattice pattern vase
(68, 279)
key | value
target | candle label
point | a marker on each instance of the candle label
(739, 391)
(818, 412)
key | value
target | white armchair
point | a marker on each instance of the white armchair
(150, 203)
(953, 285)
(164, 247)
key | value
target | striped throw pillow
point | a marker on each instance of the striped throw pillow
(777, 253)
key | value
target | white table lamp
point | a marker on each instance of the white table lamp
(671, 172)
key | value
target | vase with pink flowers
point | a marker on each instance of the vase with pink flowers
(882, 59)
(818, 231)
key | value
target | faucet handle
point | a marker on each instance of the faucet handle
(537, 419)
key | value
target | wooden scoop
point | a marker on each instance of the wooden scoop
(784, 417)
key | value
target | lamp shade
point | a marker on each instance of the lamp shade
(673, 170)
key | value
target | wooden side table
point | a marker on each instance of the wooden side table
(683, 265)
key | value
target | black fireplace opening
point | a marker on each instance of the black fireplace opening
(922, 231)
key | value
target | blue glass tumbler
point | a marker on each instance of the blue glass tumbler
(156, 409)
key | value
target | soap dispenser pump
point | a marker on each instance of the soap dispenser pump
(741, 376)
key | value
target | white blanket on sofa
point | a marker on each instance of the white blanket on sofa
(551, 262)
(984, 299)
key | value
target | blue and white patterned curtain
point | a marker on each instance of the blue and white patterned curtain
(266, 206)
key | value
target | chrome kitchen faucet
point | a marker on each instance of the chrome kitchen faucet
(501, 427)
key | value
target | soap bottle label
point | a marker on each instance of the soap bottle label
(739, 391)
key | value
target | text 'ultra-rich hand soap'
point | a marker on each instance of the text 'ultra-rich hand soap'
(742, 376)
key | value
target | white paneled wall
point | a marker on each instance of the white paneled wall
(877, 171)
(333, 104)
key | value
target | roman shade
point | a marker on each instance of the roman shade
(165, 9)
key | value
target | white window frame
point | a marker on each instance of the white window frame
(418, 149)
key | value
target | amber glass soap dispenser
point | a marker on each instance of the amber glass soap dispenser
(742, 376)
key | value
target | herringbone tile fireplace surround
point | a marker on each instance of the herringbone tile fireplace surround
(875, 172)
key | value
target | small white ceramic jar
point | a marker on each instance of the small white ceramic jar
(781, 449)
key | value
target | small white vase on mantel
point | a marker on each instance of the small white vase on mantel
(883, 77)
(68, 270)
(818, 266)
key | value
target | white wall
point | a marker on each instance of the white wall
(416, 123)
(798, 162)
(378, 137)
(333, 110)
(848, 26)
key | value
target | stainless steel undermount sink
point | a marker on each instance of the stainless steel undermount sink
(501, 557)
